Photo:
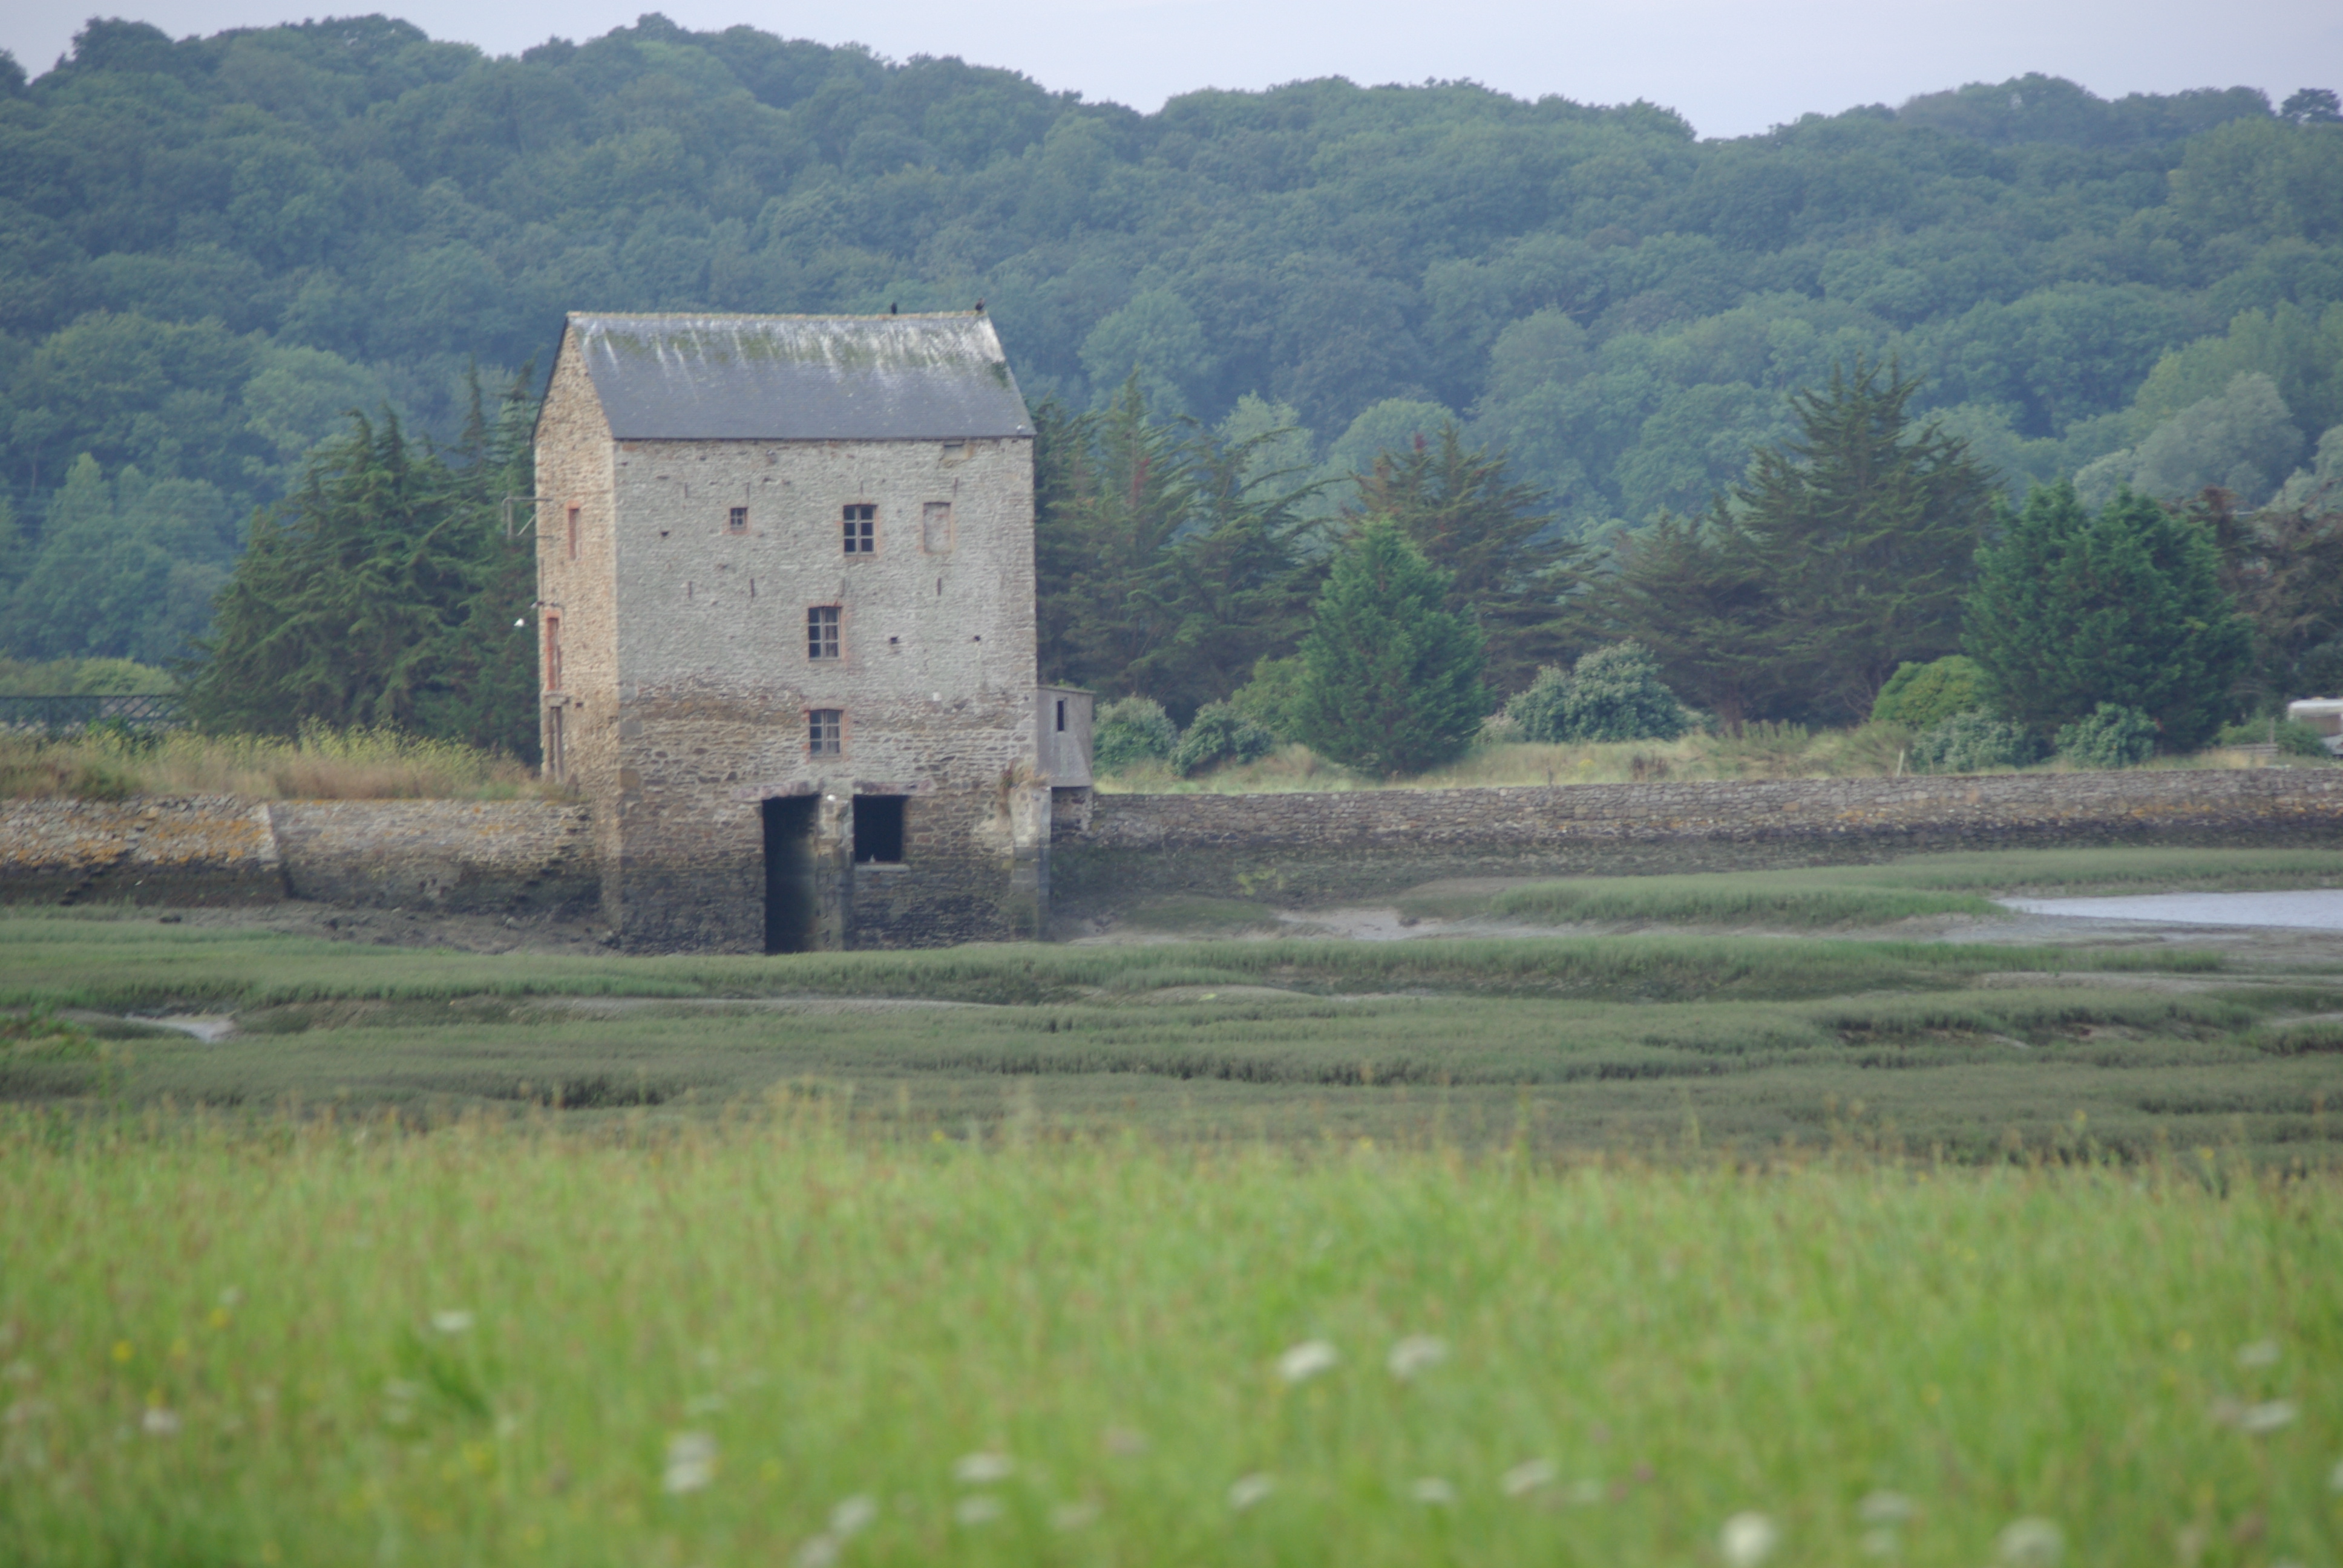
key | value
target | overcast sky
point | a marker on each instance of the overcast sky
(1731, 67)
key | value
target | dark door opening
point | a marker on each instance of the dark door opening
(792, 904)
(877, 829)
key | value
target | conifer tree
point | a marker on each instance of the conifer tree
(1867, 532)
(1391, 678)
(1507, 568)
(383, 592)
(1696, 592)
(2073, 609)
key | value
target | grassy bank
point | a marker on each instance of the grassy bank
(773, 1343)
(1762, 751)
(1893, 891)
(318, 764)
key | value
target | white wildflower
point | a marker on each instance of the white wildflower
(983, 1469)
(2258, 1418)
(1433, 1490)
(982, 1509)
(2260, 1353)
(451, 1320)
(2030, 1543)
(854, 1514)
(1883, 1508)
(1747, 1539)
(819, 1553)
(1074, 1516)
(690, 1461)
(160, 1423)
(1527, 1477)
(1415, 1353)
(1306, 1361)
(1248, 1490)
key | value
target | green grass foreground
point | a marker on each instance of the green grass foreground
(770, 1342)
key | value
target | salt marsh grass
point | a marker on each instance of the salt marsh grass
(774, 1340)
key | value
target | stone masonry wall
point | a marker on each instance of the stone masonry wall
(460, 856)
(532, 856)
(1305, 846)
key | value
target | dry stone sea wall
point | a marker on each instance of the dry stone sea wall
(457, 856)
(534, 856)
(1305, 848)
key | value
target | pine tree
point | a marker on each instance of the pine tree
(383, 592)
(1507, 567)
(1867, 532)
(2072, 609)
(1697, 592)
(1391, 676)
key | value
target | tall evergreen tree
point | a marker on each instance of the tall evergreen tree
(1166, 567)
(1698, 593)
(1506, 566)
(1868, 530)
(2072, 608)
(1391, 678)
(383, 592)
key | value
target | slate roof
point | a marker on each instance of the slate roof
(800, 378)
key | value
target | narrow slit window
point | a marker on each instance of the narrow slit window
(862, 530)
(821, 631)
(573, 533)
(936, 527)
(552, 653)
(825, 732)
(557, 761)
(738, 521)
(1061, 713)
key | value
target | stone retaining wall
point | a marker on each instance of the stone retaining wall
(459, 856)
(533, 856)
(1308, 847)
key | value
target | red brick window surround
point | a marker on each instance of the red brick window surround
(825, 732)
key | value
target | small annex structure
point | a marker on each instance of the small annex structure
(785, 574)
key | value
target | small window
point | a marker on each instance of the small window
(573, 533)
(877, 829)
(552, 653)
(738, 523)
(1062, 714)
(821, 631)
(825, 732)
(936, 527)
(862, 530)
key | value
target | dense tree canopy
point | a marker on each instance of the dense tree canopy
(211, 249)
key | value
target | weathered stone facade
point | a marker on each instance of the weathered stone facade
(791, 560)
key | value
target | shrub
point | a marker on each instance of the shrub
(2290, 736)
(1220, 734)
(1973, 742)
(1920, 696)
(1615, 693)
(1268, 698)
(2111, 736)
(1135, 729)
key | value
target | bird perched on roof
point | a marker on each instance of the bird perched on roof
(891, 309)
(979, 308)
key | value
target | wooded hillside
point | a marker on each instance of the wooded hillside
(211, 249)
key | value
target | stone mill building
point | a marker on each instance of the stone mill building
(785, 569)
